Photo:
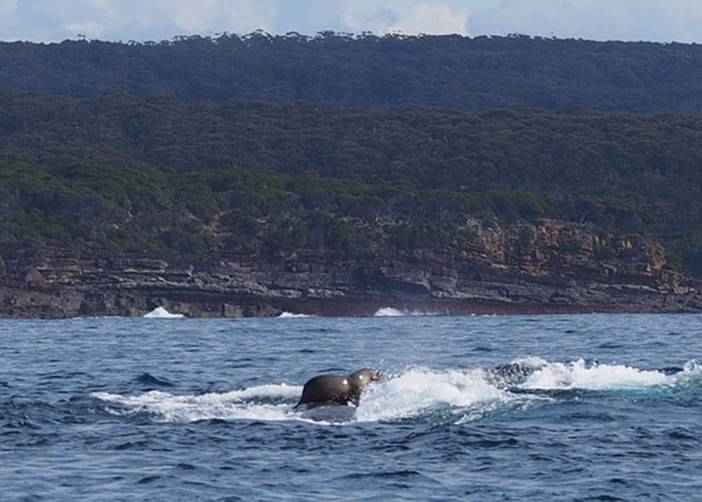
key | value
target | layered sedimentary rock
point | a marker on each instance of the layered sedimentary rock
(536, 268)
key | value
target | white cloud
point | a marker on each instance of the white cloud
(657, 20)
(105, 5)
(554, 17)
(90, 29)
(434, 19)
(7, 12)
(45, 20)
(193, 17)
(405, 17)
(8, 6)
(218, 15)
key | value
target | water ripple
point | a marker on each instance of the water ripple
(507, 408)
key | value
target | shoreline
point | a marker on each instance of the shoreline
(253, 307)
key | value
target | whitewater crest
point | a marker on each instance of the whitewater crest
(460, 395)
(261, 402)
(162, 313)
(394, 312)
(418, 390)
(581, 375)
(291, 315)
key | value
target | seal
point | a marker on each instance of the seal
(337, 389)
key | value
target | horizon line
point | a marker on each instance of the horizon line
(320, 35)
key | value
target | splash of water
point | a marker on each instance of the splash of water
(162, 313)
(290, 315)
(233, 405)
(579, 375)
(418, 390)
(393, 312)
(468, 394)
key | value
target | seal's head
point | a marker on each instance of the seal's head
(359, 379)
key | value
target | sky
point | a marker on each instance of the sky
(55, 20)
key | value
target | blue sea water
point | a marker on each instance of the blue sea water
(608, 407)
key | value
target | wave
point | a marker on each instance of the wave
(580, 375)
(162, 313)
(389, 312)
(290, 315)
(418, 390)
(393, 312)
(149, 379)
(254, 403)
(459, 395)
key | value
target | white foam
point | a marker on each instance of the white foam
(393, 312)
(161, 313)
(465, 393)
(692, 369)
(579, 375)
(234, 405)
(530, 362)
(407, 395)
(389, 312)
(290, 315)
(418, 390)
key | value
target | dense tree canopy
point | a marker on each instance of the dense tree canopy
(164, 176)
(460, 73)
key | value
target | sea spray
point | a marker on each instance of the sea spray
(579, 375)
(414, 393)
(218, 429)
(291, 315)
(418, 390)
(393, 312)
(245, 404)
(162, 313)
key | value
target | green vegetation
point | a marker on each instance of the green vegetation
(452, 72)
(159, 176)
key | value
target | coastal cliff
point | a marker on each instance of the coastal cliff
(115, 205)
(547, 267)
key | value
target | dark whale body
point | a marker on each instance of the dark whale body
(510, 375)
(326, 390)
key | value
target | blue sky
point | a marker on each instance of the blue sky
(53, 20)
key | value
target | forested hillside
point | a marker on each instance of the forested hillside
(163, 177)
(435, 71)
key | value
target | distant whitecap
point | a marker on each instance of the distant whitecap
(390, 312)
(393, 312)
(161, 313)
(290, 315)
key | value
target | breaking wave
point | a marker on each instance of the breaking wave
(580, 375)
(162, 313)
(393, 312)
(255, 403)
(290, 315)
(461, 395)
(420, 390)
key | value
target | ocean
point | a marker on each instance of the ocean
(585, 407)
